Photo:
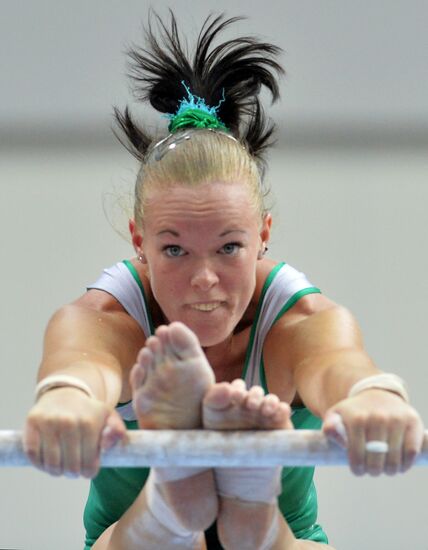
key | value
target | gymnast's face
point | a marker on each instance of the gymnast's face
(201, 246)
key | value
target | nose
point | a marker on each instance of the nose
(204, 278)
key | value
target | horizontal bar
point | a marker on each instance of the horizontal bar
(209, 448)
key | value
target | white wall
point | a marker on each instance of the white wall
(63, 63)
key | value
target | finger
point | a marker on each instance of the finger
(375, 462)
(413, 442)
(51, 452)
(90, 449)
(393, 459)
(356, 446)
(71, 450)
(334, 428)
(114, 431)
(32, 444)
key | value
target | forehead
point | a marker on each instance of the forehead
(208, 204)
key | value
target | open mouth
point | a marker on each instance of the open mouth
(211, 306)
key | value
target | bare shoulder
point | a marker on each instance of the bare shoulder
(304, 308)
(101, 300)
(98, 300)
(315, 324)
(95, 304)
(97, 308)
(313, 320)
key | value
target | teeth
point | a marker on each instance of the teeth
(206, 307)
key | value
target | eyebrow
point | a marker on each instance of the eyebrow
(231, 231)
(168, 231)
(176, 234)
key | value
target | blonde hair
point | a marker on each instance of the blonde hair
(193, 157)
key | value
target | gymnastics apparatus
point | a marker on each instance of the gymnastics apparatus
(249, 448)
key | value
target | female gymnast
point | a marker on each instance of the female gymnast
(199, 327)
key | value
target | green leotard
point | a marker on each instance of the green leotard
(114, 489)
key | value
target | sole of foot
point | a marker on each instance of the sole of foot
(168, 382)
(169, 379)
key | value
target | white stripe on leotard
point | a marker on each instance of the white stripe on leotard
(286, 285)
(118, 281)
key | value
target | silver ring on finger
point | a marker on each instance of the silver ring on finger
(375, 446)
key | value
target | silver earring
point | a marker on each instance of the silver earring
(262, 252)
(142, 259)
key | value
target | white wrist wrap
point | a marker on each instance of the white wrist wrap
(62, 381)
(250, 484)
(385, 381)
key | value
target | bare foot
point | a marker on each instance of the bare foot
(169, 379)
(233, 407)
(168, 383)
(248, 512)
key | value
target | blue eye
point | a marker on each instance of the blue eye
(230, 249)
(173, 251)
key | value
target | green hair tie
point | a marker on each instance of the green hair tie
(195, 118)
(195, 113)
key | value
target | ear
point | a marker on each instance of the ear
(136, 237)
(266, 228)
(264, 235)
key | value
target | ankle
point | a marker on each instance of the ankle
(193, 499)
(247, 525)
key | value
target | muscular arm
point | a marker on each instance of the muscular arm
(316, 351)
(96, 340)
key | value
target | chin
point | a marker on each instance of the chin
(212, 330)
(209, 336)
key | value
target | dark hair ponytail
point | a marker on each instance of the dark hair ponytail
(235, 71)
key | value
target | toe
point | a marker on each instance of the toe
(139, 371)
(254, 398)
(269, 405)
(182, 341)
(154, 344)
(239, 383)
(282, 417)
(162, 333)
(145, 358)
(238, 391)
(219, 396)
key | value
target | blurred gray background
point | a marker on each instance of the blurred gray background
(350, 191)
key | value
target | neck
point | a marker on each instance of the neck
(216, 354)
